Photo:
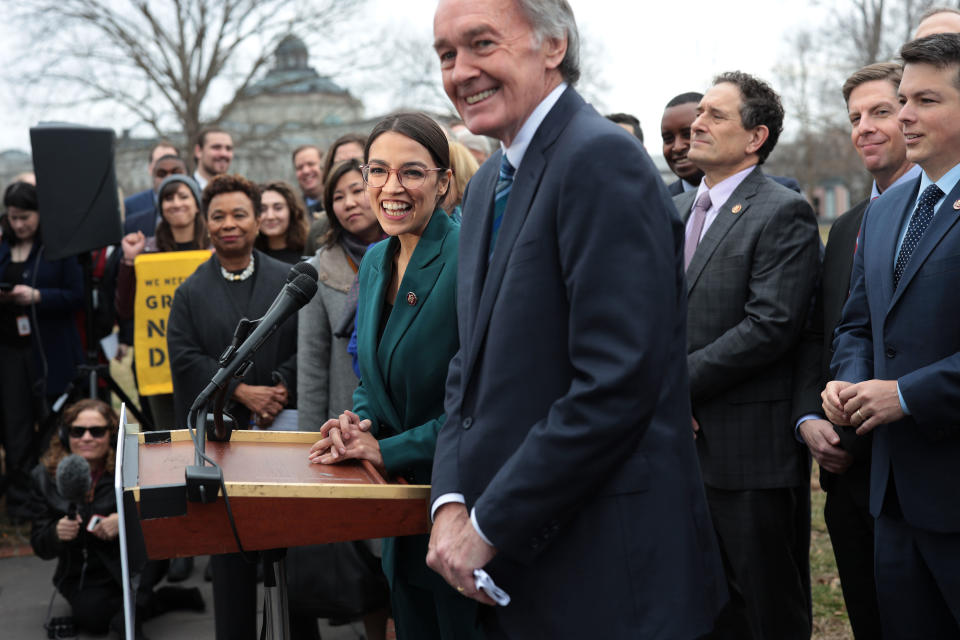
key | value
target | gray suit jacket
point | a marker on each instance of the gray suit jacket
(749, 288)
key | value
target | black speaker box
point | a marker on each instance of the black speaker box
(76, 188)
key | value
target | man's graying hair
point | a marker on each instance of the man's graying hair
(759, 105)
(554, 19)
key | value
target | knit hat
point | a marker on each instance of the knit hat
(185, 179)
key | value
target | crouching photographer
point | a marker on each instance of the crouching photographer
(74, 514)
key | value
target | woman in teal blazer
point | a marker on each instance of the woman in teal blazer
(406, 336)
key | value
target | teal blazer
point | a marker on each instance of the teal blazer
(403, 374)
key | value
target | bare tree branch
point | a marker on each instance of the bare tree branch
(174, 65)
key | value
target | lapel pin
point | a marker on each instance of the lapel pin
(411, 298)
(737, 208)
(956, 205)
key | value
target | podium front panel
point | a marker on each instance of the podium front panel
(277, 496)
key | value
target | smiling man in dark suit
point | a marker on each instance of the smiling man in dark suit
(565, 467)
(844, 458)
(896, 364)
(752, 251)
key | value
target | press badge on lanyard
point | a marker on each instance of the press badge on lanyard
(23, 325)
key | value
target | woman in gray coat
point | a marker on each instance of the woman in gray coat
(325, 374)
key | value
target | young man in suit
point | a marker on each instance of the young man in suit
(752, 250)
(844, 458)
(675, 123)
(896, 365)
(565, 468)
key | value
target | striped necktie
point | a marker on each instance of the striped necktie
(919, 222)
(500, 195)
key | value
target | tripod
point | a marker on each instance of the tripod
(92, 371)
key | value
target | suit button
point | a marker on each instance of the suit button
(891, 352)
(467, 422)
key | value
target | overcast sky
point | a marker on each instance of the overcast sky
(651, 51)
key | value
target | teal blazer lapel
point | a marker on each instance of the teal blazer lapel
(733, 210)
(368, 325)
(942, 222)
(418, 281)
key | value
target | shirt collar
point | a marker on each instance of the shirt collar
(946, 183)
(910, 174)
(518, 148)
(689, 186)
(722, 191)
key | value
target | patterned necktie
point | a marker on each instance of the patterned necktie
(918, 224)
(500, 195)
(699, 214)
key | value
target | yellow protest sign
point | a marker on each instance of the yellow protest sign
(158, 276)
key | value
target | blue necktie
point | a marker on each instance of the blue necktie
(500, 195)
(918, 225)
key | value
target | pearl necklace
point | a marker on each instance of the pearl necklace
(238, 277)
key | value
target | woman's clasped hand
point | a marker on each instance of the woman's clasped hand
(346, 438)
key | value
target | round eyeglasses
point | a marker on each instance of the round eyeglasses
(410, 177)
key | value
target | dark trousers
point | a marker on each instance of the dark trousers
(94, 606)
(764, 537)
(847, 514)
(234, 597)
(428, 614)
(918, 580)
(16, 423)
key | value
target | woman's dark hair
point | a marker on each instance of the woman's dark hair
(297, 229)
(21, 195)
(56, 451)
(228, 183)
(164, 233)
(346, 138)
(422, 129)
(419, 127)
(332, 236)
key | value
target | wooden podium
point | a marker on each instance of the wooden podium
(278, 498)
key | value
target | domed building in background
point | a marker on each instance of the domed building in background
(292, 95)
(290, 105)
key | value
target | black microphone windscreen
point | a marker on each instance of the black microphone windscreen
(306, 269)
(303, 288)
(73, 478)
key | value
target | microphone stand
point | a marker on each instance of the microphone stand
(202, 480)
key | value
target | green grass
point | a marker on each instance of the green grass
(830, 620)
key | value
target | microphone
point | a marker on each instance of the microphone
(203, 482)
(294, 295)
(246, 326)
(73, 481)
(304, 268)
(301, 268)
